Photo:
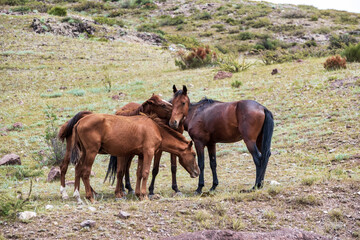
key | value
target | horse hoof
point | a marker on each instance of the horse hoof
(154, 196)
(197, 192)
(132, 192)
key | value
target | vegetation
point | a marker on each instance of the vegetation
(352, 53)
(334, 63)
(198, 57)
(58, 11)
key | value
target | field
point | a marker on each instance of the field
(313, 177)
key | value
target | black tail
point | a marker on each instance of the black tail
(66, 129)
(75, 155)
(111, 170)
(268, 129)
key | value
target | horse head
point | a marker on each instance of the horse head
(158, 106)
(181, 103)
(188, 160)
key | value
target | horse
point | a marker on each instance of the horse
(154, 105)
(209, 122)
(112, 168)
(124, 136)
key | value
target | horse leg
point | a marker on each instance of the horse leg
(63, 170)
(121, 166)
(78, 173)
(138, 177)
(212, 156)
(254, 151)
(127, 175)
(200, 154)
(155, 172)
(87, 164)
(173, 173)
(145, 173)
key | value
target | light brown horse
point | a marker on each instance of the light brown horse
(209, 122)
(125, 136)
(154, 105)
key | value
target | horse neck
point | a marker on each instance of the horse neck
(171, 143)
(190, 115)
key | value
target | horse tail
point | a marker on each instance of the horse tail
(268, 129)
(111, 170)
(66, 129)
(75, 149)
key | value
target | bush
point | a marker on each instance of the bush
(57, 148)
(244, 36)
(86, 5)
(294, 14)
(169, 21)
(109, 21)
(13, 2)
(232, 64)
(261, 22)
(71, 20)
(352, 53)
(236, 84)
(203, 16)
(21, 9)
(149, 27)
(219, 27)
(334, 63)
(341, 41)
(198, 57)
(39, 6)
(58, 11)
(188, 42)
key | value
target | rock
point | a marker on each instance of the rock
(92, 174)
(88, 223)
(273, 182)
(115, 97)
(282, 234)
(222, 75)
(124, 215)
(62, 88)
(275, 71)
(26, 215)
(10, 159)
(151, 38)
(48, 207)
(53, 174)
(92, 209)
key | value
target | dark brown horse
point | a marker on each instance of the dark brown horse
(209, 122)
(125, 136)
(154, 105)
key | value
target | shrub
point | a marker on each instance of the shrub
(219, 27)
(294, 14)
(310, 43)
(314, 18)
(322, 30)
(21, 9)
(57, 148)
(341, 41)
(71, 20)
(86, 5)
(149, 27)
(232, 64)
(109, 21)
(285, 28)
(261, 22)
(58, 11)
(169, 21)
(203, 16)
(334, 63)
(77, 92)
(267, 44)
(352, 53)
(198, 57)
(188, 42)
(244, 36)
(39, 6)
(236, 84)
(13, 2)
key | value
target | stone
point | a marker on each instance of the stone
(275, 71)
(10, 159)
(54, 174)
(48, 207)
(222, 75)
(274, 183)
(88, 223)
(26, 215)
(115, 97)
(92, 209)
(124, 215)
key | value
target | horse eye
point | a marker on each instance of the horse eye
(183, 103)
(163, 105)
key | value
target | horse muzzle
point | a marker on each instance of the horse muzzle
(195, 173)
(174, 124)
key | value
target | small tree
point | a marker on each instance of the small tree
(335, 62)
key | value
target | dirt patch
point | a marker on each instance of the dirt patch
(282, 234)
(346, 82)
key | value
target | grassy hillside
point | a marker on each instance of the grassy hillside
(315, 145)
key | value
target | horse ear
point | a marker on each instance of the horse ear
(174, 88)
(184, 90)
(150, 101)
